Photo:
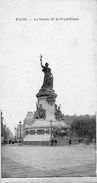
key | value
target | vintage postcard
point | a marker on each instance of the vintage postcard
(48, 90)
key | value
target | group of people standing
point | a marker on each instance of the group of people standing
(11, 141)
(54, 142)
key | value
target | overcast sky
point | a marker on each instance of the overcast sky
(68, 47)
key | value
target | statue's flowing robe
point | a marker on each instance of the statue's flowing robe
(48, 77)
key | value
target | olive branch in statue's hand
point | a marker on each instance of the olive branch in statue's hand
(41, 56)
(41, 59)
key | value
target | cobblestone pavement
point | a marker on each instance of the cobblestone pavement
(46, 161)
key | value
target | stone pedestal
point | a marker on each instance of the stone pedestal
(46, 98)
(45, 112)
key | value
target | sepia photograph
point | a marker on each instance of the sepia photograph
(48, 90)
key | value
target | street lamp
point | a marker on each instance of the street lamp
(51, 127)
(15, 134)
(51, 140)
(4, 127)
(20, 130)
(1, 118)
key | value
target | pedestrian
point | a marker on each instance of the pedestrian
(51, 142)
(69, 141)
(12, 141)
(9, 141)
(55, 142)
(79, 141)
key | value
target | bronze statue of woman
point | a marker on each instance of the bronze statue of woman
(48, 77)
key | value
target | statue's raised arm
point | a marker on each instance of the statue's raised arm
(41, 61)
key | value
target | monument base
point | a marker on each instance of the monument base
(37, 140)
(39, 133)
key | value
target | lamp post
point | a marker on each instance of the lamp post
(20, 130)
(1, 118)
(51, 127)
(15, 134)
(51, 140)
(4, 127)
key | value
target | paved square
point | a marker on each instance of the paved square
(45, 161)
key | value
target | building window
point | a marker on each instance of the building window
(39, 132)
(47, 131)
(32, 132)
